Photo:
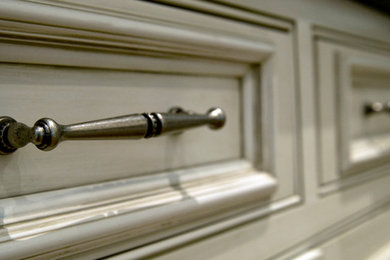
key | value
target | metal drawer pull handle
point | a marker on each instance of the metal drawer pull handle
(376, 108)
(46, 133)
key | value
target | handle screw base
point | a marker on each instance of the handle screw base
(5, 147)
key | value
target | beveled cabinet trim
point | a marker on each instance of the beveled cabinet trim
(127, 209)
(207, 7)
(367, 152)
(40, 21)
(341, 65)
(45, 204)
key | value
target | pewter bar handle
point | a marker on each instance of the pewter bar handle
(46, 133)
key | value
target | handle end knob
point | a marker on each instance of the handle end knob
(218, 118)
(46, 134)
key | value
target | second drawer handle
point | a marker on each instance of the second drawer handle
(46, 133)
(376, 108)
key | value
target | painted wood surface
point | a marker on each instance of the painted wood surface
(373, 234)
(359, 140)
(108, 63)
(221, 203)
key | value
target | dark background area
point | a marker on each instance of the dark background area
(380, 5)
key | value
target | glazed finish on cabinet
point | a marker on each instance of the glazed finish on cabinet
(83, 61)
(328, 211)
(269, 185)
(373, 234)
(359, 140)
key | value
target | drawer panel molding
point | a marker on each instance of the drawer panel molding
(99, 214)
(353, 145)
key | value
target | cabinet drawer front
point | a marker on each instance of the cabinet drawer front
(76, 63)
(354, 140)
(370, 85)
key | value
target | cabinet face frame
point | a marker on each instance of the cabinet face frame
(325, 244)
(336, 64)
(43, 221)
